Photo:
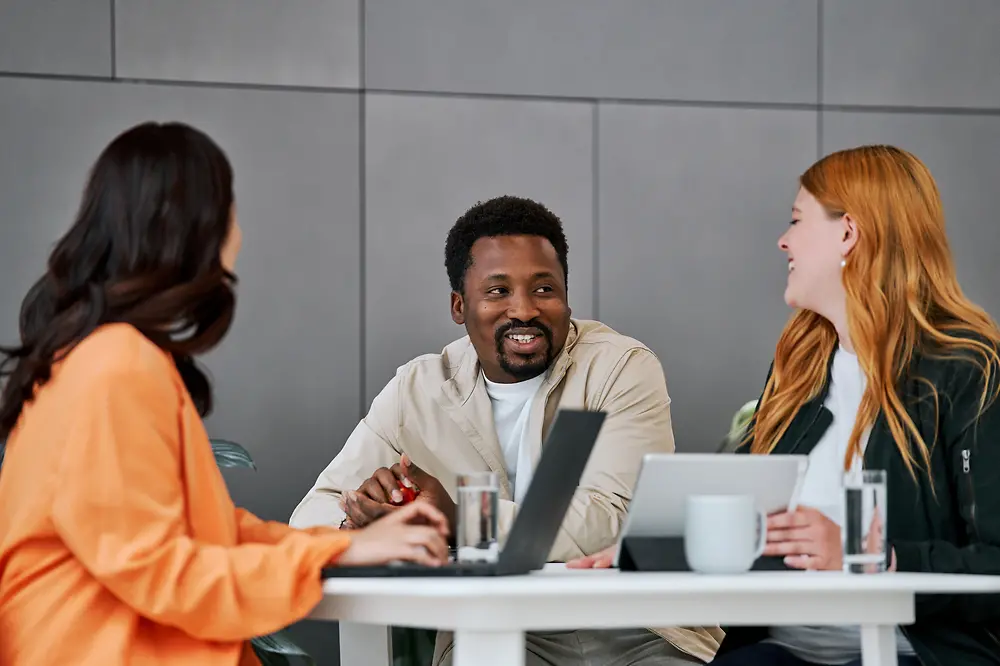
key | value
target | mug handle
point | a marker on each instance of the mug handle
(761, 534)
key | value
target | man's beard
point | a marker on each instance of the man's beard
(524, 370)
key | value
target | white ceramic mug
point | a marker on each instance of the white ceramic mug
(723, 534)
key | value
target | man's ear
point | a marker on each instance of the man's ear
(457, 308)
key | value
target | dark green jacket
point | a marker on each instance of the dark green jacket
(948, 525)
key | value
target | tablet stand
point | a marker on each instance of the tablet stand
(666, 553)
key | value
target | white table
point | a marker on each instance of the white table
(490, 615)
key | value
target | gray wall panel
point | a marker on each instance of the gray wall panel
(429, 160)
(912, 52)
(692, 202)
(56, 37)
(287, 376)
(750, 50)
(279, 42)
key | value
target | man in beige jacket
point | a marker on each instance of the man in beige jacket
(486, 402)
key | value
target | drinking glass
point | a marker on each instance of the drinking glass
(863, 533)
(476, 522)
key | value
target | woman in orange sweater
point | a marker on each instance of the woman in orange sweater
(119, 543)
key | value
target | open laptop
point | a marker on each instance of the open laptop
(564, 456)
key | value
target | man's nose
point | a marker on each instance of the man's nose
(522, 307)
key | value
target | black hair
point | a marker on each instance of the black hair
(144, 250)
(501, 216)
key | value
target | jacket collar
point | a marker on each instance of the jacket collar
(811, 421)
(463, 397)
(468, 377)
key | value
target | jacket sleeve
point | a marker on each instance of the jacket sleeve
(972, 444)
(252, 529)
(373, 444)
(121, 509)
(638, 422)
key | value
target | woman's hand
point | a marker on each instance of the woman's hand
(601, 560)
(417, 532)
(806, 538)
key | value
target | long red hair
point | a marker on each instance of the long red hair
(902, 296)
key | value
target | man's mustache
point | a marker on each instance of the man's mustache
(507, 327)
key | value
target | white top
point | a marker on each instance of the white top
(822, 489)
(511, 409)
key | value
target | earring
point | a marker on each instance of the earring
(843, 263)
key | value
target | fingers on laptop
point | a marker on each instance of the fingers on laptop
(424, 546)
(421, 530)
(422, 513)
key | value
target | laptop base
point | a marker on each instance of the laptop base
(411, 570)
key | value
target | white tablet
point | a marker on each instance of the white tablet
(667, 479)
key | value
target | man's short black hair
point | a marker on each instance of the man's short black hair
(502, 216)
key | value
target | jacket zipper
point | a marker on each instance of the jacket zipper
(967, 479)
(989, 632)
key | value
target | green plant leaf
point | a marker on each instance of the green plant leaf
(278, 649)
(741, 419)
(231, 454)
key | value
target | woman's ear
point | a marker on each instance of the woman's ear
(850, 235)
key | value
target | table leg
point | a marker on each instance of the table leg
(365, 645)
(489, 648)
(878, 645)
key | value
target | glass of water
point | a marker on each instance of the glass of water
(476, 521)
(865, 520)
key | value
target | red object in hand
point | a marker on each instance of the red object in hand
(409, 494)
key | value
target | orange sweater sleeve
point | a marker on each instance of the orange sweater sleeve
(121, 510)
(254, 530)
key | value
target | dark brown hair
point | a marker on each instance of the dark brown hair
(144, 250)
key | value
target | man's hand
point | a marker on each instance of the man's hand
(380, 494)
(383, 485)
(361, 510)
(601, 560)
(428, 487)
(377, 495)
(807, 539)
